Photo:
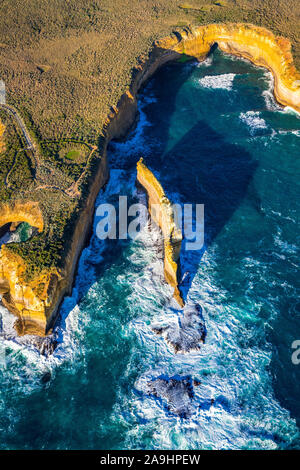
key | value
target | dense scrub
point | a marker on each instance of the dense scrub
(64, 65)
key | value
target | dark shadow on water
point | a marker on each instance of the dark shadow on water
(202, 168)
(212, 172)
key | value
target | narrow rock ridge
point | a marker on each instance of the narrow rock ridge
(257, 44)
(161, 211)
(2, 142)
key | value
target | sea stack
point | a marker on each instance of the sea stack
(161, 211)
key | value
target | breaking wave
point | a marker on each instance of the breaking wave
(254, 121)
(224, 81)
(143, 372)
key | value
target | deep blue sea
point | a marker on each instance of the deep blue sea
(213, 134)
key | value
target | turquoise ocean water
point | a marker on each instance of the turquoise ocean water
(213, 135)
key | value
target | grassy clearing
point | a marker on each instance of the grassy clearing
(73, 155)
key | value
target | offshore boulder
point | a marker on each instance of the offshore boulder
(188, 333)
(176, 394)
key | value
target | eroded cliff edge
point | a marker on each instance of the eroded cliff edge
(36, 302)
(161, 211)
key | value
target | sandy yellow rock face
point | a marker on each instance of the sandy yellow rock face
(2, 142)
(28, 300)
(20, 211)
(162, 213)
(257, 44)
(36, 302)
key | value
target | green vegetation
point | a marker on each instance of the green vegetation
(184, 58)
(188, 6)
(65, 64)
(16, 167)
(73, 155)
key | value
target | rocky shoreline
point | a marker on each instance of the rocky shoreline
(36, 310)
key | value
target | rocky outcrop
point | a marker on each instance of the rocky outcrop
(176, 393)
(35, 301)
(161, 211)
(36, 304)
(30, 301)
(27, 300)
(187, 333)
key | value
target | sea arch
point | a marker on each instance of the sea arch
(17, 212)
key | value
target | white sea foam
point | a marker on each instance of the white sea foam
(285, 247)
(268, 95)
(20, 354)
(224, 81)
(292, 111)
(206, 62)
(135, 142)
(270, 100)
(234, 406)
(254, 121)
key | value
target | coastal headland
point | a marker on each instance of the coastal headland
(36, 275)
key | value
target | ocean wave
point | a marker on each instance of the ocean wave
(285, 247)
(135, 143)
(206, 62)
(292, 111)
(268, 94)
(232, 406)
(270, 100)
(289, 131)
(253, 121)
(224, 81)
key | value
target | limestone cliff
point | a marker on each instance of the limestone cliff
(27, 300)
(20, 211)
(36, 303)
(2, 143)
(161, 211)
(257, 44)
